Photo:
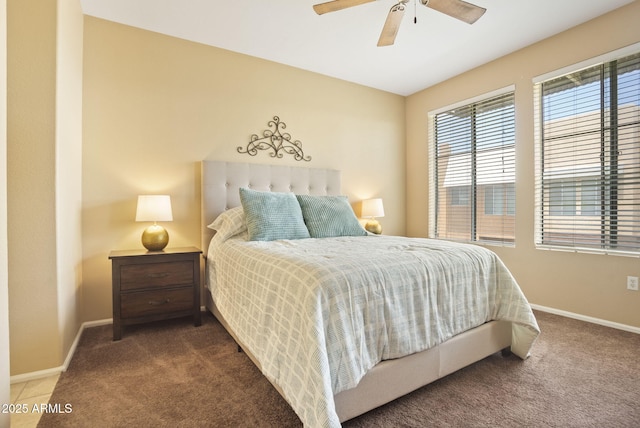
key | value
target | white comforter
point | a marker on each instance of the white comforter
(319, 313)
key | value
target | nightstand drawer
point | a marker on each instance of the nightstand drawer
(145, 303)
(137, 276)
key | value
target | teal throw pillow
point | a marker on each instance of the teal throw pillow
(329, 216)
(272, 215)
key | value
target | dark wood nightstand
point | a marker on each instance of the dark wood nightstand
(154, 285)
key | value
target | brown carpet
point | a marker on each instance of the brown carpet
(171, 374)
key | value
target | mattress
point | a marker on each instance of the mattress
(319, 313)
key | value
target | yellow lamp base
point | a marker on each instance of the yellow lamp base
(373, 226)
(155, 238)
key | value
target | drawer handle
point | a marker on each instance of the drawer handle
(159, 302)
(157, 275)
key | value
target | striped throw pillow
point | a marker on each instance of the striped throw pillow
(272, 215)
(329, 216)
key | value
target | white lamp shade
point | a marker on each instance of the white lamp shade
(154, 208)
(372, 208)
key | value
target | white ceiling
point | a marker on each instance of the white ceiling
(343, 44)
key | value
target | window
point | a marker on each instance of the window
(562, 198)
(472, 167)
(589, 197)
(588, 158)
(495, 202)
(459, 195)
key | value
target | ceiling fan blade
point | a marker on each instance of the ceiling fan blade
(333, 6)
(458, 9)
(391, 25)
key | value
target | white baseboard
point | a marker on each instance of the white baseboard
(585, 318)
(25, 377)
(74, 345)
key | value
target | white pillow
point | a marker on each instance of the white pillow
(229, 223)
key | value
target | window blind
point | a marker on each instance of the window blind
(472, 164)
(588, 158)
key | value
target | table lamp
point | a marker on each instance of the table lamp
(154, 208)
(372, 208)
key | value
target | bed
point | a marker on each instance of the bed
(335, 330)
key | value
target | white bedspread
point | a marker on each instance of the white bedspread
(319, 313)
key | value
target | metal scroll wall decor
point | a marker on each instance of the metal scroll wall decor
(278, 142)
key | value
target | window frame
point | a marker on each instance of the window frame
(584, 186)
(508, 208)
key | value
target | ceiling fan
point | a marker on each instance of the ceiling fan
(458, 9)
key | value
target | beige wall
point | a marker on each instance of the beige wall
(155, 106)
(31, 60)
(44, 80)
(586, 284)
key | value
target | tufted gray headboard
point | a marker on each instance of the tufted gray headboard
(221, 182)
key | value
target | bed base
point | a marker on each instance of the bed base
(392, 379)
